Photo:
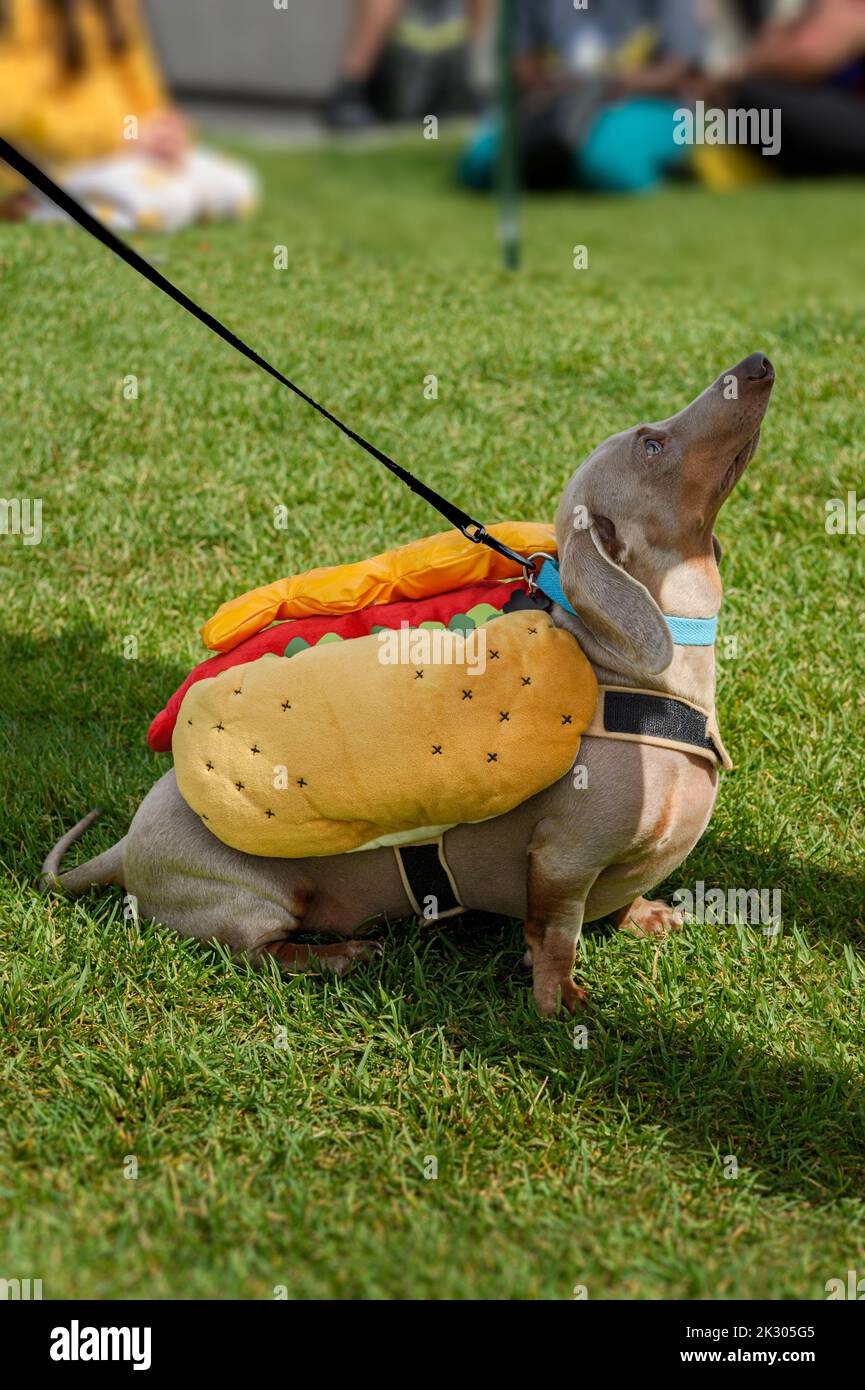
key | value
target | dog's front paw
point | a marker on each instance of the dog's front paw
(648, 918)
(564, 995)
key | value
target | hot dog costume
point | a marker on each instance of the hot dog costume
(353, 742)
(327, 723)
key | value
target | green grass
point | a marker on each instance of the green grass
(303, 1165)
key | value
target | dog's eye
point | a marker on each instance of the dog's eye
(652, 447)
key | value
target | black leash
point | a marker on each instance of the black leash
(471, 529)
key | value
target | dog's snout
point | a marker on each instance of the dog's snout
(757, 367)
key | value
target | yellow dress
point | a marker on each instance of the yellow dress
(63, 118)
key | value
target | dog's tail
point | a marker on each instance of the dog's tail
(99, 872)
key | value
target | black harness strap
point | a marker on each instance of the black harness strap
(656, 716)
(471, 529)
(427, 880)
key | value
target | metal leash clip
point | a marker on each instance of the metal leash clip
(532, 571)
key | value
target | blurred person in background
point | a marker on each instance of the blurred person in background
(809, 65)
(81, 94)
(598, 89)
(405, 59)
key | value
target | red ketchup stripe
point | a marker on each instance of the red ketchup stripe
(436, 608)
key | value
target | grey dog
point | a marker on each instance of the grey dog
(651, 495)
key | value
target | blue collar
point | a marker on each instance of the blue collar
(685, 632)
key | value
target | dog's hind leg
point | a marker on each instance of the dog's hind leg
(98, 872)
(293, 957)
(648, 917)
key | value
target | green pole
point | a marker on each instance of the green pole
(508, 171)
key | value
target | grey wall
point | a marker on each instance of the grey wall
(248, 47)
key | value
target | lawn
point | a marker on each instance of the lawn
(283, 1128)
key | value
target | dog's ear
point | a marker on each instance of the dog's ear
(620, 612)
(718, 549)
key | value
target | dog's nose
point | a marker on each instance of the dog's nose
(757, 367)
